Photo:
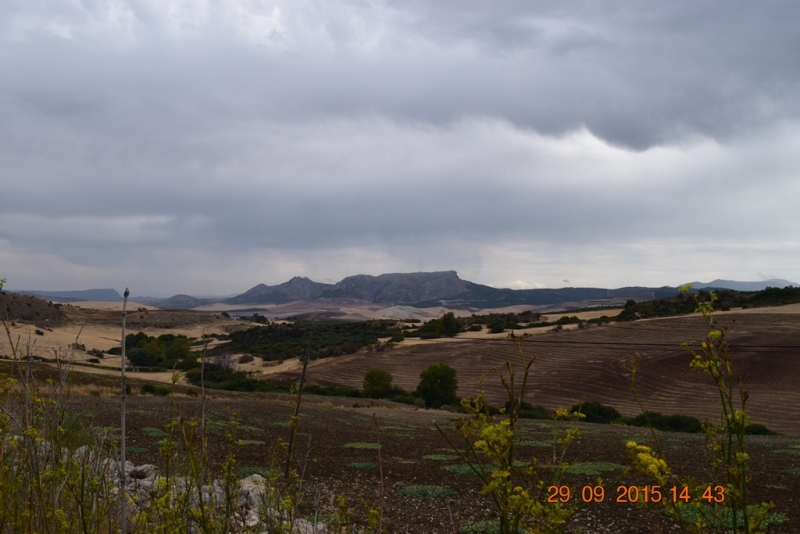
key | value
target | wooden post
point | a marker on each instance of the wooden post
(123, 501)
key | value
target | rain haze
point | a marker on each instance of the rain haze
(204, 147)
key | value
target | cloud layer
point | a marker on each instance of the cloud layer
(204, 147)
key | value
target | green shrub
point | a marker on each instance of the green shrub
(595, 412)
(496, 328)
(537, 411)
(407, 398)
(333, 391)
(397, 337)
(377, 383)
(142, 357)
(669, 423)
(529, 411)
(438, 385)
(154, 389)
(756, 429)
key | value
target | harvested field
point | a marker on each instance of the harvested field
(102, 335)
(575, 365)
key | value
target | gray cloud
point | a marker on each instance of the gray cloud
(501, 139)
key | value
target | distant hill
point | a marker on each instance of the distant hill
(182, 302)
(19, 307)
(745, 286)
(105, 295)
(401, 288)
(298, 288)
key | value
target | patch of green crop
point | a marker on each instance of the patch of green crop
(154, 432)
(793, 471)
(361, 445)
(464, 469)
(428, 492)
(535, 443)
(362, 465)
(788, 451)
(250, 442)
(440, 457)
(593, 468)
(133, 449)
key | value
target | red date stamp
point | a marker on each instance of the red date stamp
(634, 494)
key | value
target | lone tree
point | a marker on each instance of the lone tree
(377, 383)
(438, 385)
(449, 324)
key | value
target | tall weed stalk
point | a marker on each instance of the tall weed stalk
(489, 446)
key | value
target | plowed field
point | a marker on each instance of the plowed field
(575, 365)
(335, 450)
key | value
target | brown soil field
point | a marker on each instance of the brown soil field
(408, 435)
(575, 365)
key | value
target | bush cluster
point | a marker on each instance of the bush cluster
(166, 351)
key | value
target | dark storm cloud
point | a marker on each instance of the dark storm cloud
(289, 129)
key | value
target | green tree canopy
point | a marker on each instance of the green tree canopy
(449, 324)
(438, 385)
(377, 383)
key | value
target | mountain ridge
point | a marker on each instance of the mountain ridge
(417, 289)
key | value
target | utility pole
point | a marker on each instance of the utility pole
(123, 501)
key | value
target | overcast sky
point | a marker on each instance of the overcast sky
(202, 147)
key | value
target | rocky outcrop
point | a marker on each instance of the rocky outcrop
(400, 288)
(142, 483)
